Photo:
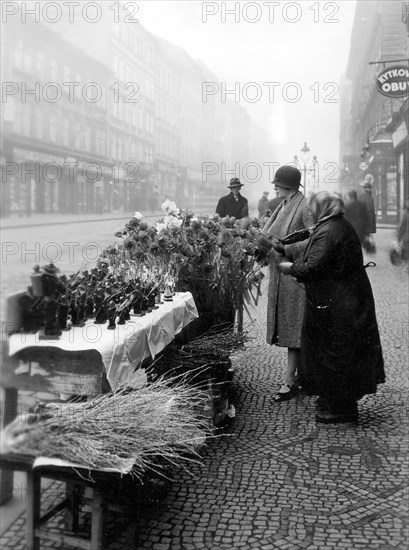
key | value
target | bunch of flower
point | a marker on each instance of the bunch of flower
(212, 257)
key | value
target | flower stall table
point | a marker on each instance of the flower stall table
(86, 360)
(93, 487)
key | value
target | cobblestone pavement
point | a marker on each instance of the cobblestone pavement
(278, 480)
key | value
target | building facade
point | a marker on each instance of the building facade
(116, 120)
(368, 144)
(54, 140)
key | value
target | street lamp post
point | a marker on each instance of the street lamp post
(305, 157)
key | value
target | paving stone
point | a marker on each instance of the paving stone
(277, 480)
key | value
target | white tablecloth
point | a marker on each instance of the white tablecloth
(123, 349)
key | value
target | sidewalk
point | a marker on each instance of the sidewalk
(278, 480)
(36, 220)
(57, 218)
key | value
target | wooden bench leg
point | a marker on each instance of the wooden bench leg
(98, 518)
(33, 510)
(72, 511)
(8, 414)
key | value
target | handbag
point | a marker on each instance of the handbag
(369, 245)
(396, 254)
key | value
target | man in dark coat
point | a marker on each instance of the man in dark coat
(403, 231)
(340, 345)
(233, 204)
(367, 199)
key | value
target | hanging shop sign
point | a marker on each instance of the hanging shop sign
(393, 81)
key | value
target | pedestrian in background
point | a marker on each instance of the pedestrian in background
(356, 214)
(153, 202)
(262, 206)
(274, 203)
(341, 350)
(233, 204)
(403, 231)
(366, 199)
(286, 297)
(99, 201)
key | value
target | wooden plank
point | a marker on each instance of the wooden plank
(75, 542)
(55, 371)
(53, 511)
(72, 512)
(8, 414)
(33, 510)
(98, 518)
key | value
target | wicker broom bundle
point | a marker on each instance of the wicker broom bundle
(129, 431)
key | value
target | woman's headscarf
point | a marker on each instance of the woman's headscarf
(325, 205)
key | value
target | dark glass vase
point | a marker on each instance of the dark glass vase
(101, 316)
(111, 316)
(63, 315)
(122, 316)
(89, 308)
(51, 328)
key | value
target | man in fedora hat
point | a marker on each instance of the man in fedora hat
(286, 297)
(233, 204)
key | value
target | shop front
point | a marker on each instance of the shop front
(392, 145)
(32, 182)
(398, 127)
(381, 164)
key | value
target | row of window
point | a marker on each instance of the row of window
(167, 147)
(124, 96)
(135, 116)
(94, 140)
(135, 43)
(190, 157)
(47, 69)
(49, 126)
(167, 81)
(124, 149)
(167, 111)
(129, 74)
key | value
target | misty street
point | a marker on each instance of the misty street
(204, 216)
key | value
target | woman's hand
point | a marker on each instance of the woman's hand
(279, 247)
(285, 267)
(264, 244)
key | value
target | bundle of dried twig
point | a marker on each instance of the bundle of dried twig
(203, 357)
(128, 430)
(220, 339)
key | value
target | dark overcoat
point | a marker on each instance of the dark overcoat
(403, 234)
(366, 199)
(357, 215)
(228, 206)
(341, 354)
(286, 297)
(262, 206)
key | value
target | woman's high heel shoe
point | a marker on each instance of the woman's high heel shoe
(286, 395)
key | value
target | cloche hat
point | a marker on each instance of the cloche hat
(287, 176)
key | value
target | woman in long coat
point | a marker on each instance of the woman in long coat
(341, 350)
(286, 297)
(356, 214)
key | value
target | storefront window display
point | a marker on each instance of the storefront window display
(391, 195)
